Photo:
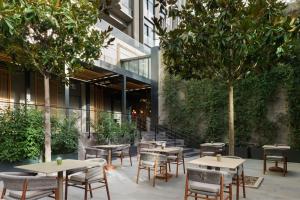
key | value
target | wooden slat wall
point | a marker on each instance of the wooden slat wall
(5, 86)
(97, 101)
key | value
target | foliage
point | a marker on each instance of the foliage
(128, 132)
(53, 37)
(294, 100)
(109, 131)
(21, 134)
(198, 108)
(48, 35)
(226, 40)
(64, 135)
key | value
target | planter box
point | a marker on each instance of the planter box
(293, 156)
(256, 152)
(241, 152)
(65, 156)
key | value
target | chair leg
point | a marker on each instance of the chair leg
(154, 176)
(106, 186)
(265, 165)
(196, 196)
(66, 187)
(166, 172)
(149, 173)
(169, 163)
(85, 190)
(3, 193)
(284, 167)
(56, 194)
(230, 191)
(138, 174)
(183, 164)
(121, 158)
(186, 188)
(177, 164)
(91, 192)
(130, 160)
(243, 181)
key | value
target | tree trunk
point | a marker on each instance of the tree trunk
(47, 119)
(230, 119)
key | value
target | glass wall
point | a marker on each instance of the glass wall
(140, 66)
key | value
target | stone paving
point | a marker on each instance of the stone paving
(123, 187)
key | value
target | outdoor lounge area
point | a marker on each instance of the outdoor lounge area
(122, 184)
(150, 99)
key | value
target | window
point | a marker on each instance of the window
(149, 8)
(148, 34)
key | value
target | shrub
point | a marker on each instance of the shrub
(21, 134)
(64, 135)
(108, 130)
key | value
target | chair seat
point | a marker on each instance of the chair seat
(147, 163)
(204, 187)
(80, 177)
(29, 194)
(275, 158)
(172, 157)
(117, 153)
(208, 153)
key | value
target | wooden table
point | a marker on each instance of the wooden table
(166, 151)
(109, 148)
(282, 148)
(229, 163)
(215, 144)
(52, 167)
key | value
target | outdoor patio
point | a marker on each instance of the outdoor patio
(122, 184)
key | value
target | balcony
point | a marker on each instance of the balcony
(123, 12)
(103, 25)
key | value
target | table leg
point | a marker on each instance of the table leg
(109, 165)
(60, 183)
(237, 184)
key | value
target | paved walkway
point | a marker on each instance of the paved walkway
(123, 187)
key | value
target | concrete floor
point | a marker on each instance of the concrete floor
(123, 187)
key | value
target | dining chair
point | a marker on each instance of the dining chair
(91, 152)
(177, 159)
(84, 178)
(207, 150)
(277, 156)
(122, 153)
(19, 186)
(142, 146)
(238, 174)
(205, 184)
(155, 162)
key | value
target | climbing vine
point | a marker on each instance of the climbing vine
(199, 107)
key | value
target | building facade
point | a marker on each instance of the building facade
(124, 80)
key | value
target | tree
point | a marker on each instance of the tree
(226, 40)
(53, 37)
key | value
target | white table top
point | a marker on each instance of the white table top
(160, 150)
(229, 163)
(109, 146)
(215, 144)
(51, 167)
(279, 147)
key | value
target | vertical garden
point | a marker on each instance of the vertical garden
(199, 107)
